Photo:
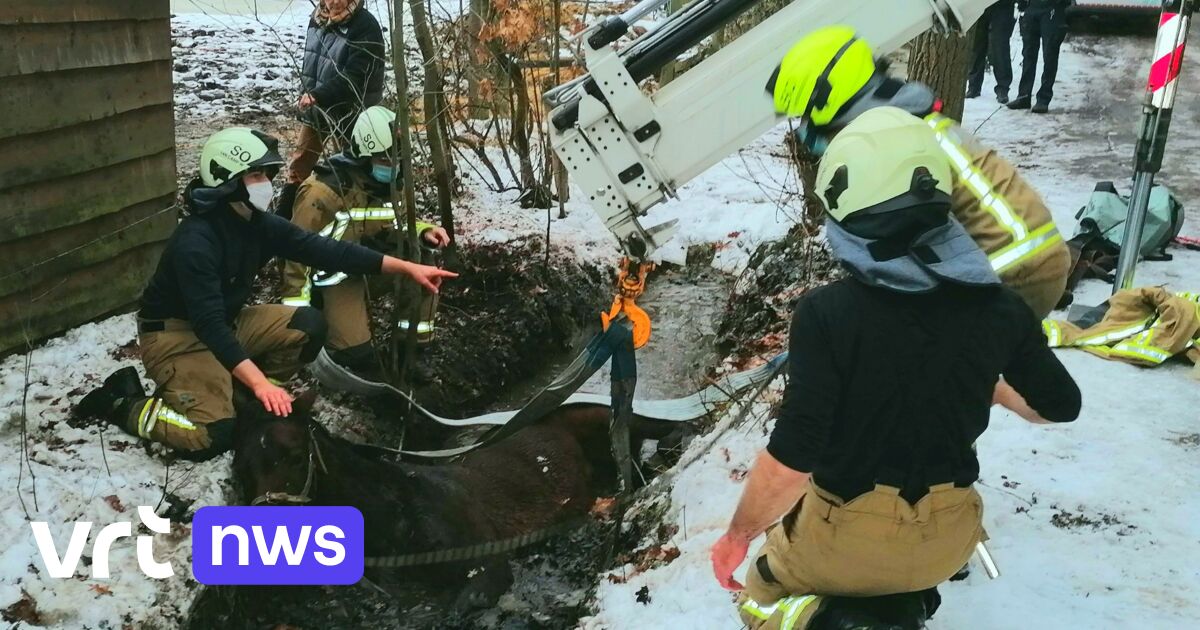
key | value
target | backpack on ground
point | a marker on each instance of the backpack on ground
(1096, 245)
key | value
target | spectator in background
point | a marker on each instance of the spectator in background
(342, 74)
(992, 35)
(1043, 24)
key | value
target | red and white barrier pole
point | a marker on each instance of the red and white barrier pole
(1156, 121)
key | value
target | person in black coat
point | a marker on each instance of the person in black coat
(341, 75)
(1043, 25)
(992, 35)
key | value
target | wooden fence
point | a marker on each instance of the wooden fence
(87, 159)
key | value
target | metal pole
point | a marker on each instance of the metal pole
(1156, 121)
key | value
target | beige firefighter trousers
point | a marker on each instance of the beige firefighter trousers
(345, 308)
(196, 389)
(877, 544)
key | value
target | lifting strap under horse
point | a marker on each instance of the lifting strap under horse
(559, 392)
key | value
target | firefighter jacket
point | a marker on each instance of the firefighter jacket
(1006, 217)
(340, 203)
(1002, 212)
(1143, 326)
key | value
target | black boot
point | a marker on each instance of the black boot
(420, 373)
(361, 361)
(845, 618)
(121, 387)
(1040, 107)
(1021, 102)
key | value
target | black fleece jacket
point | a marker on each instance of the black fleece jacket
(206, 273)
(895, 388)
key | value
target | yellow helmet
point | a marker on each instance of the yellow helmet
(821, 73)
(885, 160)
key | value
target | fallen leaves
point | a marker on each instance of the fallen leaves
(100, 590)
(114, 502)
(24, 609)
(603, 507)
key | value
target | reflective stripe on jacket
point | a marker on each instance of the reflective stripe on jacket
(349, 217)
(1001, 211)
(1143, 326)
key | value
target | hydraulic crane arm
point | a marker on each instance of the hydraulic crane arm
(628, 151)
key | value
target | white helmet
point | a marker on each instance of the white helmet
(374, 132)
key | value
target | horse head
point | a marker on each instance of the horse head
(277, 460)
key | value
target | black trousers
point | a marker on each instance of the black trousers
(992, 35)
(1045, 30)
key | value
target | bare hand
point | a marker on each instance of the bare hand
(274, 398)
(727, 555)
(307, 101)
(436, 236)
(430, 277)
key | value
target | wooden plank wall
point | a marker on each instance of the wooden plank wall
(87, 159)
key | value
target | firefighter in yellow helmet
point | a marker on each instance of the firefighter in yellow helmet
(831, 77)
(865, 489)
(346, 198)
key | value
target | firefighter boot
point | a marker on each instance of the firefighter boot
(110, 400)
(361, 361)
(842, 618)
(420, 373)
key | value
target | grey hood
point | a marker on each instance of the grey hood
(943, 254)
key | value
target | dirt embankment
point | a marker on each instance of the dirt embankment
(508, 310)
(759, 312)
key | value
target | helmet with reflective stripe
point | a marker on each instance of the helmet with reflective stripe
(885, 160)
(373, 131)
(232, 152)
(821, 74)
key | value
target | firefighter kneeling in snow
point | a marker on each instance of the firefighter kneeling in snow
(831, 76)
(870, 464)
(194, 334)
(344, 199)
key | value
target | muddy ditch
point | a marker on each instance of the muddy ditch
(505, 329)
(697, 321)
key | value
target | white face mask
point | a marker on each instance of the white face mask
(260, 194)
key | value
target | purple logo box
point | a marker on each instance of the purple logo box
(277, 545)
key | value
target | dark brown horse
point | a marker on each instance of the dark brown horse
(538, 477)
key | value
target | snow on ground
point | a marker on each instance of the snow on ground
(737, 204)
(230, 65)
(79, 480)
(1092, 524)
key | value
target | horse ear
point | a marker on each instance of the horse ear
(304, 402)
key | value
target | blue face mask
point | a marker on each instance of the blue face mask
(815, 141)
(382, 173)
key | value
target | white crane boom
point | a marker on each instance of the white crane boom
(628, 151)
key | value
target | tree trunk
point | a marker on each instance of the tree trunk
(406, 294)
(533, 193)
(942, 62)
(478, 108)
(435, 112)
(806, 170)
